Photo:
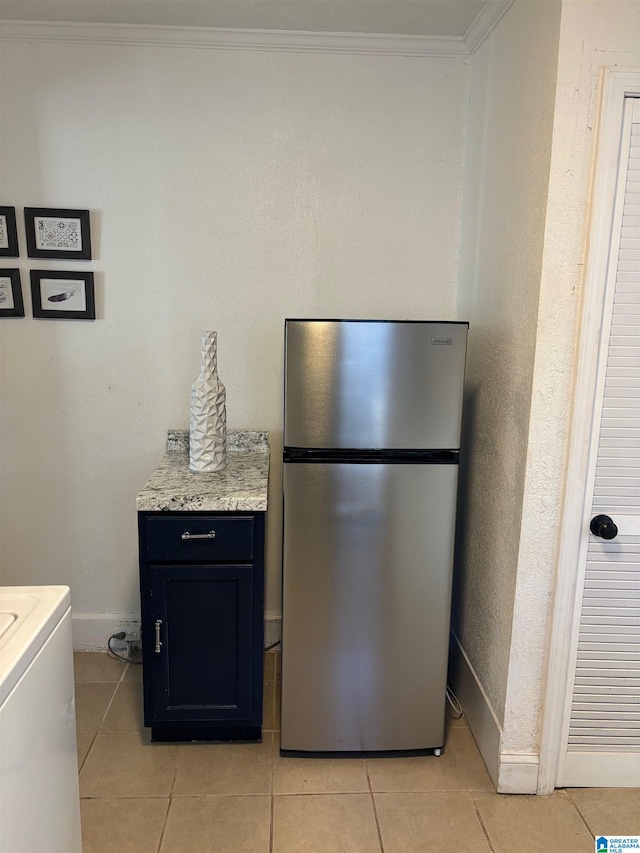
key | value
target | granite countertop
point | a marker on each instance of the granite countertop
(241, 486)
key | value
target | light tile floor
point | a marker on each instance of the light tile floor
(139, 797)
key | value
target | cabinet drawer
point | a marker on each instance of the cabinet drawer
(208, 538)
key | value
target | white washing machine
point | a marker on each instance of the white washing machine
(39, 796)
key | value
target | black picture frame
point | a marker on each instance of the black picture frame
(52, 231)
(8, 233)
(15, 285)
(54, 294)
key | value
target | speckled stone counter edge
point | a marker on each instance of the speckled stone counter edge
(241, 486)
(178, 439)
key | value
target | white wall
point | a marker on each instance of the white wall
(523, 292)
(592, 35)
(228, 190)
(506, 177)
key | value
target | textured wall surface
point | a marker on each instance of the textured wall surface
(593, 35)
(506, 178)
(228, 191)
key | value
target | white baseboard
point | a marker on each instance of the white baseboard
(272, 627)
(518, 773)
(511, 772)
(91, 631)
(478, 710)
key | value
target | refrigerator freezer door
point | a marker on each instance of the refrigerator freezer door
(377, 385)
(368, 555)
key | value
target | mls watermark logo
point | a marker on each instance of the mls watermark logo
(617, 843)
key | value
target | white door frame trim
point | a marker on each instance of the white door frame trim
(616, 85)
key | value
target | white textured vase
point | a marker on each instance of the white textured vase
(208, 421)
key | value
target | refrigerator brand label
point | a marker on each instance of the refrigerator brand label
(442, 342)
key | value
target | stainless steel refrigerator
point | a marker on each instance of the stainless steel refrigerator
(371, 445)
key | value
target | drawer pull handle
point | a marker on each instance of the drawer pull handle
(158, 640)
(210, 535)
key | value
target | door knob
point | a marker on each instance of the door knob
(603, 526)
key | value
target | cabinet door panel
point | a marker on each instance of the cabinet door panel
(203, 670)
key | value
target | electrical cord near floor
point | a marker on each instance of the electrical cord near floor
(452, 699)
(120, 636)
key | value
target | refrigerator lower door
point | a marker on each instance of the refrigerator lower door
(368, 552)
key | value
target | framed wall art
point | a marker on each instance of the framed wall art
(11, 304)
(58, 295)
(57, 233)
(8, 233)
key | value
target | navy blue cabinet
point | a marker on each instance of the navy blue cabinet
(202, 597)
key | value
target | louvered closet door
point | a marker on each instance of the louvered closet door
(604, 733)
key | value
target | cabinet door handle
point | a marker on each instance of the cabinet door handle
(210, 535)
(158, 640)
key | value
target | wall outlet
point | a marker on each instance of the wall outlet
(131, 631)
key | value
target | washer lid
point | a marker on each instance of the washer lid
(28, 615)
(6, 621)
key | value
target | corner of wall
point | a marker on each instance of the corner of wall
(477, 707)
(509, 143)
(511, 772)
(518, 773)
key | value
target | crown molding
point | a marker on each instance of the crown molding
(292, 41)
(486, 20)
(229, 39)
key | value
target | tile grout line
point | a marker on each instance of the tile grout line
(86, 755)
(275, 744)
(273, 699)
(117, 684)
(375, 809)
(355, 793)
(272, 803)
(157, 796)
(480, 821)
(102, 718)
(577, 808)
(274, 740)
(84, 760)
(268, 680)
(110, 702)
(164, 825)
(171, 789)
(176, 769)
